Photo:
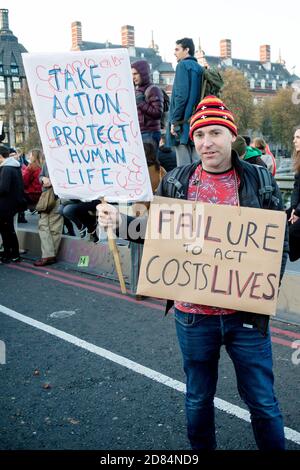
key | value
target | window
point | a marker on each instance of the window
(156, 77)
(14, 69)
(252, 83)
(274, 85)
(19, 137)
(31, 117)
(2, 97)
(263, 83)
(18, 117)
(2, 116)
(16, 83)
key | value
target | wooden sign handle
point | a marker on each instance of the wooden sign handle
(115, 252)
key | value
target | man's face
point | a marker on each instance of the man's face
(180, 53)
(213, 145)
(297, 140)
(136, 77)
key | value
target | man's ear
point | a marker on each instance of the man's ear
(233, 138)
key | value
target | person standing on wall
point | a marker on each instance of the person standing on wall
(185, 96)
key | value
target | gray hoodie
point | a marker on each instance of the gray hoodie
(11, 161)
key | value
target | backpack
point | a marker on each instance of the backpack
(265, 187)
(212, 83)
(166, 104)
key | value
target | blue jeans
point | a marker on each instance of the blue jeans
(200, 339)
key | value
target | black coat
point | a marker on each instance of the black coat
(12, 198)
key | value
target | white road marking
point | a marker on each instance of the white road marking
(290, 434)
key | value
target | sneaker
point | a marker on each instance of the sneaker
(140, 297)
(45, 261)
(17, 259)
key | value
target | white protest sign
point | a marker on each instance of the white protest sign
(85, 108)
(211, 254)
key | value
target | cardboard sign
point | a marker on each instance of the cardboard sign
(218, 255)
(86, 113)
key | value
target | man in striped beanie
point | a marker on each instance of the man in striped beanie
(213, 131)
(219, 177)
(212, 111)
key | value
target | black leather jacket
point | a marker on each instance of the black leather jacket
(249, 197)
(295, 198)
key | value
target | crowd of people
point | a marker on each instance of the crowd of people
(23, 179)
(200, 150)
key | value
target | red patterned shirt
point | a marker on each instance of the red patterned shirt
(215, 188)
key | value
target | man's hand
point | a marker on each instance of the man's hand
(108, 215)
(293, 217)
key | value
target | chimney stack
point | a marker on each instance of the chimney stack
(225, 48)
(265, 54)
(76, 35)
(4, 20)
(127, 33)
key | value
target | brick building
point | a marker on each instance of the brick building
(163, 72)
(12, 78)
(265, 78)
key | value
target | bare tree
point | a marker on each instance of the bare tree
(20, 116)
(237, 96)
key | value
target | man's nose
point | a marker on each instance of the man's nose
(206, 142)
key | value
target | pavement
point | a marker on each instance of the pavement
(89, 368)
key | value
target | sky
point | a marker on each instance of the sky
(46, 26)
